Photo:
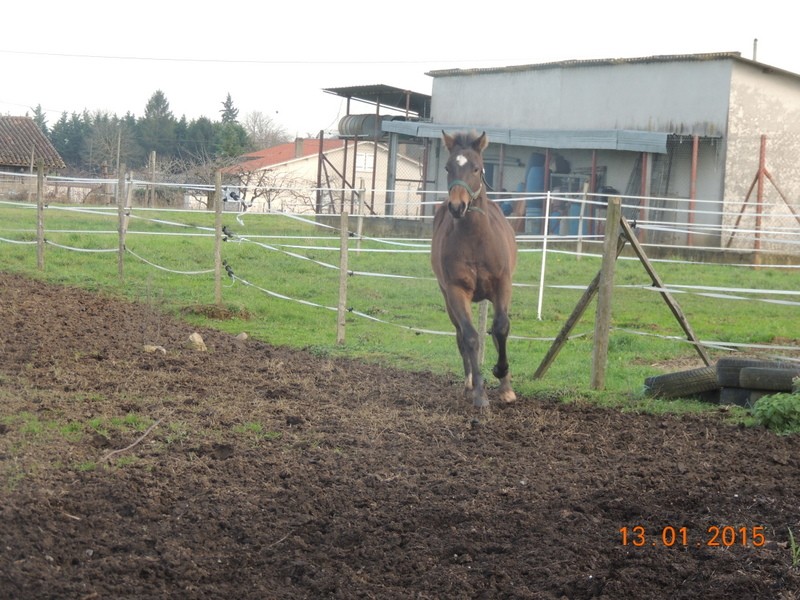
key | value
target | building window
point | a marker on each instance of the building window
(364, 161)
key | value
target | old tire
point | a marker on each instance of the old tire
(764, 378)
(682, 383)
(743, 397)
(729, 368)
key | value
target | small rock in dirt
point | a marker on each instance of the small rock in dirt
(242, 336)
(150, 349)
(196, 340)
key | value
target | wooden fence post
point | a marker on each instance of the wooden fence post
(151, 196)
(483, 326)
(545, 232)
(218, 238)
(602, 322)
(342, 308)
(39, 215)
(121, 201)
(584, 200)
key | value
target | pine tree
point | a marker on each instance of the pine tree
(156, 130)
(40, 119)
(228, 112)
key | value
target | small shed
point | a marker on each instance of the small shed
(23, 145)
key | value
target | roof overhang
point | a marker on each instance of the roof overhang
(558, 139)
(388, 96)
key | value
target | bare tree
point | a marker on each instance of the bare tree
(110, 139)
(191, 175)
(203, 170)
(263, 131)
(278, 189)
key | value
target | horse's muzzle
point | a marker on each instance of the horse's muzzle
(457, 209)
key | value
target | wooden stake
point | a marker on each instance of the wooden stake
(121, 198)
(218, 239)
(342, 308)
(605, 289)
(40, 215)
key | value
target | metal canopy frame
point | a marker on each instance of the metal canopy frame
(388, 96)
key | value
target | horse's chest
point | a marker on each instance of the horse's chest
(474, 277)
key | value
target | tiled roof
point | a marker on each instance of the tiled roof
(284, 153)
(21, 138)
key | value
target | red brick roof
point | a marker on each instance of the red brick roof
(21, 138)
(284, 153)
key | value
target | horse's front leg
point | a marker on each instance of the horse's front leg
(470, 354)
(468, 345)
(500, 330)
(465, 359)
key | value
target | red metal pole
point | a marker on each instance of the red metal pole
(500, 175)
(643, 193)
(693, 187)
(547, 170)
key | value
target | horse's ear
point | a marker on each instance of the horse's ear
(449, 140)
(479, 145)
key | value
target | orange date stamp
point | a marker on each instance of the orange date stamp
(720, 536)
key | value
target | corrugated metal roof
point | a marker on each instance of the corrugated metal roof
(21, 140)
(386, 95)
(557, 139)
(569, 64)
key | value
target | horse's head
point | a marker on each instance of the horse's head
(464, 170)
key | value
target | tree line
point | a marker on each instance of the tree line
(91, 141)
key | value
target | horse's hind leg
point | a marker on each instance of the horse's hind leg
(500, 329)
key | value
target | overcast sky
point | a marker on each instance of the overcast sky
(277, 57)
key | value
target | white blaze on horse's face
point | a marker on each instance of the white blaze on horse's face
(464, 182)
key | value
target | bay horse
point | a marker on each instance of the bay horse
(473, 254)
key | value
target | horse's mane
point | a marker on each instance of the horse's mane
(464, 139)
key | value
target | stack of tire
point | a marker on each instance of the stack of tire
(739, 381)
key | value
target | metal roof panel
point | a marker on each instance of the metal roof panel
(557, 139)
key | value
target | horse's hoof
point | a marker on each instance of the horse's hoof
(480, 401)
(508, 397)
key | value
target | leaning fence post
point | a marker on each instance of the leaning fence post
(602, 322)
(342, 308)
(39, 215)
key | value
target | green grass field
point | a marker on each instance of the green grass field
(641, 344)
